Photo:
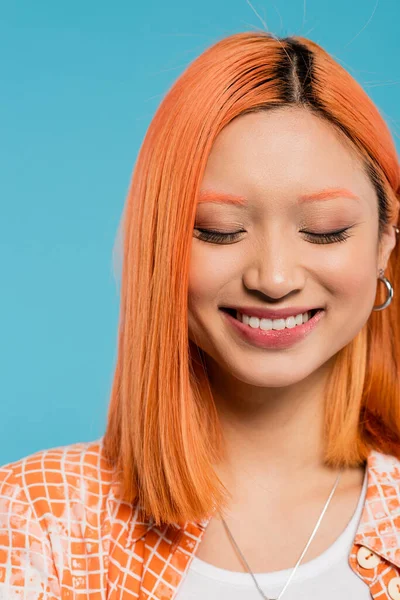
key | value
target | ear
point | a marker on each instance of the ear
(388, 242)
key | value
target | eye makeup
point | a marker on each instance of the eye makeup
(219, 237)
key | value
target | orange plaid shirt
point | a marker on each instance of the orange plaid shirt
(64, 534)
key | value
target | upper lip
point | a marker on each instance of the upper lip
(263, 313)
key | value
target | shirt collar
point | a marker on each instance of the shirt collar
(379, 524)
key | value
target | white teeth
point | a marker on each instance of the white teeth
(299, 319)
(267, 324)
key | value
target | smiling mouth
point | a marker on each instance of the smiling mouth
(271, 333)
(233, 312)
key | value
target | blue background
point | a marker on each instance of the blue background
(80, 82)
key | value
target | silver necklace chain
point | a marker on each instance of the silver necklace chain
(302, 554)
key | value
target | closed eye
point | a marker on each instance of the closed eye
(213, 236)
(210, 235)
(331, 237)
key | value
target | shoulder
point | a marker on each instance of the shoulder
(383, 481)
(49, 479)
(384, 469)
(378, 528)
(51, 503)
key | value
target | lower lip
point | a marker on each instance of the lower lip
(274, 338)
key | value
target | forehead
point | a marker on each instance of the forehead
(283, 153)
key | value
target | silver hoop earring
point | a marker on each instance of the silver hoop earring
(390, 290)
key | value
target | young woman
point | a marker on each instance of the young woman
(253, 442)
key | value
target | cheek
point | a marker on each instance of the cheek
(209, 273)
(349, 277)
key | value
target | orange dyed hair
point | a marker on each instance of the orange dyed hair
(163, 434)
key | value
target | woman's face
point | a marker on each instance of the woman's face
(273, 160)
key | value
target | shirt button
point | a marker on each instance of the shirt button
(394, 588)
(368, 560)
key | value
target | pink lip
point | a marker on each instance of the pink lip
(274, 338)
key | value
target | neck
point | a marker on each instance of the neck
(273, 436)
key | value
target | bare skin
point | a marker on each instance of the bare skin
(272, 531)
(271, 401)
(274, 512)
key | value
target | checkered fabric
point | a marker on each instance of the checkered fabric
(64, 533)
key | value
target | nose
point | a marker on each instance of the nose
(276, 270)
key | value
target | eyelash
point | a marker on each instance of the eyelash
(209, 235)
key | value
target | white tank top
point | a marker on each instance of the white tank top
(328, 576)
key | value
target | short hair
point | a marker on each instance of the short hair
(163, 434)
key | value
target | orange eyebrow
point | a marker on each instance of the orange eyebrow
(325, 194)
(221, 197)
